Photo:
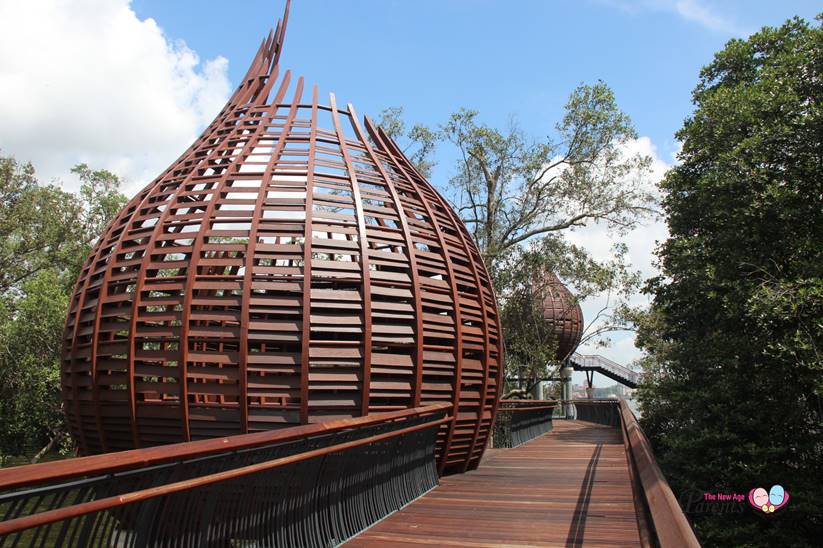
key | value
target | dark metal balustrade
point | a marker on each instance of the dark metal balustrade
(313, 485)
(601, 411)
(519, 421)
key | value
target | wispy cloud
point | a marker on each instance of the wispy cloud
(101, 86)
(695, 11)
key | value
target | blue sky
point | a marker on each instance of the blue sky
(501, 58)
(127, 85)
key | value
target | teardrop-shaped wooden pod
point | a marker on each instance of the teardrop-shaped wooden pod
(290, 267)
(562, 311)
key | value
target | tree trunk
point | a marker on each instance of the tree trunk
(49, 446)
(516, 392)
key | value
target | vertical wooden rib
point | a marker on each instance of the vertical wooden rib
(67, 371)
(247, 98)
(251, 246)
(81, 300)
(240, 96)
(400, 161)
(472, 257)
(404, 224)
(225, 146)
(305, 343)
(104, 285)
(364, 258)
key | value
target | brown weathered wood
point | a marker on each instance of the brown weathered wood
(34, 474)
(51, 516)
(671, 527)
(284, 270)
(570, 487)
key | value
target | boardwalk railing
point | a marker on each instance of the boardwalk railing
(312, 485)
(602, 411)
(661, 520)
(607, 367)
(519, 421)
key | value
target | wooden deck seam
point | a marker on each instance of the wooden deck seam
(565, 488)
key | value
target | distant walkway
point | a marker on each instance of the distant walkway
(565, 488)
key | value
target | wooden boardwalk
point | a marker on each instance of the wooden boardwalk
(569, 487)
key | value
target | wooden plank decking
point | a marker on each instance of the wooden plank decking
(566, 488)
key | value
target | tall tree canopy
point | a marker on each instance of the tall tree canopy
(521, 196)
(45, 235)
(732, 398)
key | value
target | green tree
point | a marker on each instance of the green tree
(32, 418)
(520, 197)
(45, 235)
(417, 142)
(36, 231)
(732, 393)
(510, 188)
(531, 342)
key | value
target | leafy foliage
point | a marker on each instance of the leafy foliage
(520, 197)
(45, 235)
(732, 394)
(511, 189)
(531, 341)
(417, 142)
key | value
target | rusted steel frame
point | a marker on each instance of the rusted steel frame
(308, 236)
(397, 156)
(36, 474)
(365, 279)
(251, 244)
(410, 250)
(670, 525)
(51, 516)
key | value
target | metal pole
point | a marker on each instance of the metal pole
(566, 389)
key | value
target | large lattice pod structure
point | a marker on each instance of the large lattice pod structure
(290, 267)
(562, 311)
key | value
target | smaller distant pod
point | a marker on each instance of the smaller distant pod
(563, 312)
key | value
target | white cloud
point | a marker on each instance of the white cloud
(88, 81)
(641, 243)
(695, 11)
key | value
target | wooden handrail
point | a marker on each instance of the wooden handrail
(527, 408)
(34, 474)
(59, 514)
(529, 401)
(671, 527)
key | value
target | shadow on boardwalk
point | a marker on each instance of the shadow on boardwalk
(565, 488)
